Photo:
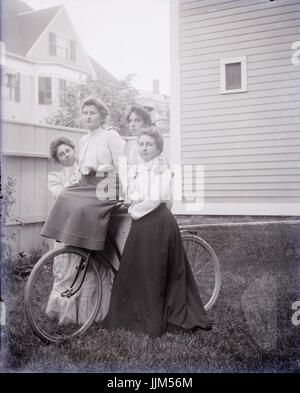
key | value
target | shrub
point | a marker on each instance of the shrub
(7, 201)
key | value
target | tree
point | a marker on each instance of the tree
(117, 95)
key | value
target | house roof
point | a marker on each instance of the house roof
(22, 26)
(10, 24)
(101, 72)
(33, 23)
(22, 29)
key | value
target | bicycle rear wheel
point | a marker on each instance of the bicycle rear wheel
(55, 317)
(205, 267)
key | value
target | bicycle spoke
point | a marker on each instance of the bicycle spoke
(51, 312)
(205, 268)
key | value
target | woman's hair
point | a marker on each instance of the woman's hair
(155, 134)
(102, 108)
(140, 111)
(56, 143)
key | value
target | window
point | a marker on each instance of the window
(62, 47)
(12, 87)
(62, 91)
(233, 75)
(45, 90)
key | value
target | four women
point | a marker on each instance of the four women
(154, 288)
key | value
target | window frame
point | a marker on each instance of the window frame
(231, 60)
(13, 89)
(67, 46)
(62, 93)
(38, 90)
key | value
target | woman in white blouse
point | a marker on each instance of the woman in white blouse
(80, 215)
(154, 289)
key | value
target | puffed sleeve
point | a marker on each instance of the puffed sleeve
(55, 183)
(116, 146)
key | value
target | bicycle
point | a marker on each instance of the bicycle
(202, 258)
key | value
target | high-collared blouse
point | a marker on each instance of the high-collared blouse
(100, 147)
(64, 178)
(147, 188)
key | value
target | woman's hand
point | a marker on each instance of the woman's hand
(102, 169)
(88, 170)
(127, 202)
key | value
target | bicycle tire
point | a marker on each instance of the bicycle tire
(42, 316)
(205, 267)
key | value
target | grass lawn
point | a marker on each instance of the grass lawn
(252, 329)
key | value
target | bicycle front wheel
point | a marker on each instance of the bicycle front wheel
(205, 267)
(52, 316)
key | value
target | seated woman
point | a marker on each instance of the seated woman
(76, 308)
(80, 216)
(154, 288)
(62, 151)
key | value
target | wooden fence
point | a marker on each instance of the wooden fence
(25, 158)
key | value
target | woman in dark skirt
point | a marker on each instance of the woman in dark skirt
(81, 212)
(154, 288)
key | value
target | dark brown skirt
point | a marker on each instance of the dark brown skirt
(154, 288)
(78, 217)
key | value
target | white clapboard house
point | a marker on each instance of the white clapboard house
(43, 54)
(235, 108)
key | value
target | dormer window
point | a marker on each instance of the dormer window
(62, 47)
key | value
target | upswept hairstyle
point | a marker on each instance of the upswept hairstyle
(139, 110)
(155, 134)
(56, 143)
(102, 108)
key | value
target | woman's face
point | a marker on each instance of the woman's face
(91, 117)
(136, 122)
(147, 148)
(65, 155)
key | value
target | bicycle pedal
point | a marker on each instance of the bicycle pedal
(67, 293)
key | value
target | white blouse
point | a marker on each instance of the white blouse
(64, 178)
(147, 189)
(100, 149)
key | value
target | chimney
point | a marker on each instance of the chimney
(156, 86)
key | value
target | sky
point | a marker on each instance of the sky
(124, 36)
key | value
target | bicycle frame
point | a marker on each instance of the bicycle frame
(98, 256)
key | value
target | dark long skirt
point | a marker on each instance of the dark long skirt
(78, 217)
(154, 287)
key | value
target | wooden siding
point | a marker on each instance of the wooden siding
(248, 142)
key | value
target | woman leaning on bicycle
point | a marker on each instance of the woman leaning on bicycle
(78, 218)
(154, 289)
